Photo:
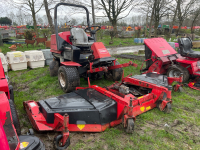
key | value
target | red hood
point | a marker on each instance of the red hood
(2, 74)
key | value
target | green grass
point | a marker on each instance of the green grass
(118, 41)
(5, 47)
(150, 133)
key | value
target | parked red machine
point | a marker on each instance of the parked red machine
(10, 131)
(163, 59)
(93, 109)
(77, 54)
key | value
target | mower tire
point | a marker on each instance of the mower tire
(58, 145)
(168, 108)
(115, 74)
(176, 70)
(15, 117)
(68, 78)
(53, 68)
(130, 126)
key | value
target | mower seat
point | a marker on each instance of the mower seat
(185, 45)
(80, 38)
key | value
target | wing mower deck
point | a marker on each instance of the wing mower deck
(93, 109)
(163, 59)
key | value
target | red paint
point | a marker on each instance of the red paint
(64, 35)
(160, 47)
(70, 63)
(5, 108)
(3, 141)
(99, 50)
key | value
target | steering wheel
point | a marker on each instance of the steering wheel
(87, 29)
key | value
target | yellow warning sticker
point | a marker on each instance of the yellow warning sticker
(149, 107)
(80, 126)
(140, 97)
(17, 54)
(23, 145)
(142, 109)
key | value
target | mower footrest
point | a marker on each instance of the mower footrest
(197, 73)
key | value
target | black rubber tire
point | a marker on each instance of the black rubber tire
(130, 126)
(71, 78)
(168, 108)
(11, 92)
(115, 74)
(15, 117)
(181, 69)
(30, 132)
(53, 68)
(56, 143)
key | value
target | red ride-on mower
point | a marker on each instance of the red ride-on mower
(93, 109)
(163, 59)
(10, 131)
(77, 54)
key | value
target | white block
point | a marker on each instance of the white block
(4, 62)
(35, 58)
(17, 60)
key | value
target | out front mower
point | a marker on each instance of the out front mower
(10, 131)
(163, 59)
(77, 54)
(94, 109)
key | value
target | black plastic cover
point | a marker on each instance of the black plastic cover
(160, 80)
(87, 106)
(30, 142)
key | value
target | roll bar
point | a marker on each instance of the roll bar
(55, 19)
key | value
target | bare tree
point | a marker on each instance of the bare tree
(32, 6)
(114, 8)
(184, 9)
(174, 17)
(46, 5)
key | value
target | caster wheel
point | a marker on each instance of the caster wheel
(59, 145)
(185, 84)
(180, 89)
(30, 132)
(130, 126)
(168, 108)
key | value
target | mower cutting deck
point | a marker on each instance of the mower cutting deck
(93, 109)
(163, 59)
(77, 54)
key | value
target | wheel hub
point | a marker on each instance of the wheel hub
(62, 79)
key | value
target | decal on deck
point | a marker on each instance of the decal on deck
(80, 126)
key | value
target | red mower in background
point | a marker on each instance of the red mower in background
(10, 131)
(77, 54)
(94, 109)
(163, 59)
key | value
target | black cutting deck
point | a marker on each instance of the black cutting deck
(83, 107)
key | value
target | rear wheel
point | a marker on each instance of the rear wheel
(53, 68)
(15, 117)
(68, 78)
(115, 74)
(176, 70)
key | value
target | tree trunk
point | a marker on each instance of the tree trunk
(156, 28)
(150, 26)
(35, 23)
(114, 24)
(49, 17)
(93, 15)
(180, 24)
(174, 18)
(145, 32)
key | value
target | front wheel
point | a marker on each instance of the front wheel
(68, 78)
(176, 70)
(130, 126)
